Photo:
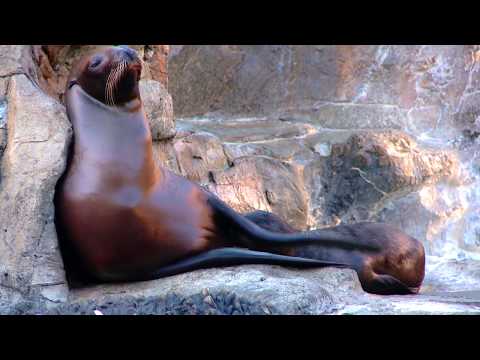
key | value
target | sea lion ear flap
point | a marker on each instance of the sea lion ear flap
(71, 83)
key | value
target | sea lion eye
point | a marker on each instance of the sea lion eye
(95, 62)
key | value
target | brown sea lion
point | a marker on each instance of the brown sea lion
(122, 218)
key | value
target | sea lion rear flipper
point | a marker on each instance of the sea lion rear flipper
(257, 236)
(235, 256)
(388, 285)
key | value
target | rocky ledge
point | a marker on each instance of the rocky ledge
(255, 290)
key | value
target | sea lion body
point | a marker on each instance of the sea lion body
(122, 211)
(126, 219)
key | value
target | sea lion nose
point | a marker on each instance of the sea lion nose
(129, 52)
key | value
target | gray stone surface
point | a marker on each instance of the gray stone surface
(34, 159)
(247, 129)
(198, 155)
(157, 103)
(13, 59)
(266, 290)
(262, 183)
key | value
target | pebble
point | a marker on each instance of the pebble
(230, 298)
(237, 305)
(209, 300)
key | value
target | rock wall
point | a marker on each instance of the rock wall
(372, 130)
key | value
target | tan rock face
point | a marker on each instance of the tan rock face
(262, 183)
(3, 124)
(372, 167)
(198, 155)
(158, 108)
(34, 159)
(14, 59)
(430, 87)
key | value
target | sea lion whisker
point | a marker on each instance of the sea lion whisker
(108, 87)
(114, 81)
(118, 74)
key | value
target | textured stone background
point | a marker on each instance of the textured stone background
(317, 134)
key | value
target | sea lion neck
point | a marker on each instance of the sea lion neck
(131, 106)
(112, 135)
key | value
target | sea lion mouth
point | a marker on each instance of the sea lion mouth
(118, 72)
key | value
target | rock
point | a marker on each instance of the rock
(247, 130)
(3, 127)
(54, 63)
(350, 116)
(263, 183)
(198, 155)
(35, 157)
(324, 83)
(373, 167)
(156, 57)
(157, 103)
(468, 114)
(251, 79)
(433, 215)
(260, 290)
(164, 155)
(290, 149)
(240, 289)
(15, 59)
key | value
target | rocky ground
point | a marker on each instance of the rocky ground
(318, 135)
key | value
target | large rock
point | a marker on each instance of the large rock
(263, 183)
(435, 214)
(198, 155)
(35, 157)
(15, 59)
(374, 167)
(251, 79)
(263, 79)
(157, 104)
(3, 126)
(265, 290)
(251, 289)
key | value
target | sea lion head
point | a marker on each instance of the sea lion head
(110, 75)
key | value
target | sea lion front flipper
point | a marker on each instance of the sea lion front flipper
(388, 285)
(232, 257)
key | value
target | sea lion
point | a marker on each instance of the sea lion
(122, 218)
